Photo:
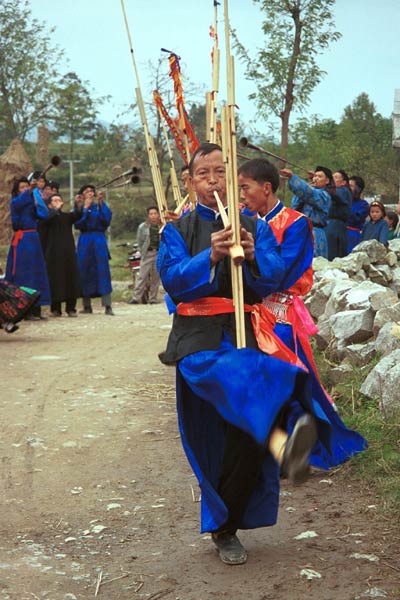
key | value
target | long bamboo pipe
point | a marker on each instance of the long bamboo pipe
(244, 143)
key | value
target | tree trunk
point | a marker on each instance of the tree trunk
(289, 97)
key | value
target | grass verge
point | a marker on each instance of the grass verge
(379, 466)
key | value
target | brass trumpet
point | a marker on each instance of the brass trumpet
(55, 161)
(244, 143)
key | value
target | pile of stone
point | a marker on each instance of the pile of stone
(355, 302)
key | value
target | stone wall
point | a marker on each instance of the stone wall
(355, 302)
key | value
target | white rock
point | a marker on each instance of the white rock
(306, 535)
(310, 574)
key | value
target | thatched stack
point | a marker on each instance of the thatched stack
(14, 163)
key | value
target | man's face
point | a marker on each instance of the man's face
(320, 180)
(153, 216)
(254, 194)
(338, 179)
(208, 177)
(56, 202)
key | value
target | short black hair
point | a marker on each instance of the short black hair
(152, 208)
(261, 170)
(203, 150)
(85, 187)
(344, 175)
(359, 181)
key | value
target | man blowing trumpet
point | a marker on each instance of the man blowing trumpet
(232, 403)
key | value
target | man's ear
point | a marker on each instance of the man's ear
(267, 188)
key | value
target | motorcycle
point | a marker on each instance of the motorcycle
(133, 264)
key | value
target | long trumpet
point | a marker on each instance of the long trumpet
(55, 161)
(135, 178)
(244, 143)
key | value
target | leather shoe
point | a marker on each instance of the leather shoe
(55, 313)
(133, 301)
(230, 550)
(298, 447)
(109, 311)
(72, 313)
(86, 311)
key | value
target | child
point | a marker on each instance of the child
(376, 228)
(60, 255)
(392, 220)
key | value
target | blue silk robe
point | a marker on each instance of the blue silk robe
(359, 214)
(245, 387)
(314, 203)
(92, 251)
(296, 244)
(25, 261)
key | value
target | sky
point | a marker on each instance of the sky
(93, 37)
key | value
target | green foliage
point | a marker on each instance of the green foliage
(379, 466)
(28, 70)
(75, 112)
(361, 143)
(285, 69)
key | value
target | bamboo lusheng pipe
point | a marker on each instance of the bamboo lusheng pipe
(236, 252)
(244, 143)
(212, 97)
(230, 159)
(176, 191)
(151, 151)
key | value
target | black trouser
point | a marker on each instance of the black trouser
(241, 467)
(70, 306)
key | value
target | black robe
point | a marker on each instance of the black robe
(60, 255)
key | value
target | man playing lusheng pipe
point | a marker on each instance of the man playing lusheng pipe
(230, 402)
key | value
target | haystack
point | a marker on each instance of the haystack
(14, 163)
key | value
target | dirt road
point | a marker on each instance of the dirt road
(98, 499)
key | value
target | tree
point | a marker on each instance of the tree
(75, 111)
(365, 146)
(27, 70)
(285, 70)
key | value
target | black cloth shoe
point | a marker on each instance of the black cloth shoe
(109, 311)
(10, 327)
(72, 313)
(298, 447)
(133, 301)
(55, 313)
(230, 550)
(88, 310)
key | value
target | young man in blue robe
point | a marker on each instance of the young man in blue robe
(313, 200)
(230, 402)
(92, 249)
(258, 182)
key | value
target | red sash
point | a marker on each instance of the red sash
(262, 321)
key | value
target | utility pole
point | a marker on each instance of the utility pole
(71, 180)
